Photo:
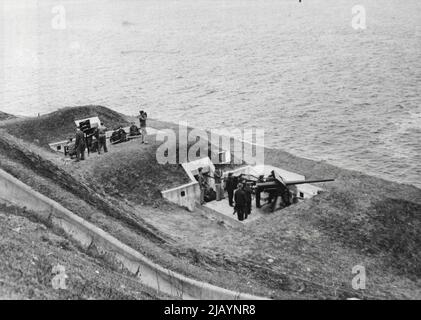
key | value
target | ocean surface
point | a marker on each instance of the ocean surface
(319, 88)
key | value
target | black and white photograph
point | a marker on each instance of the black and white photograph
(228, 151)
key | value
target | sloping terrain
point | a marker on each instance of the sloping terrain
(130, 171)
(365, 213)
(114, 215)
(30, 252)
(305, 251)
(5, 116)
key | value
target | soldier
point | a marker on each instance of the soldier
(258, 190)
(248, 193)
(218, 184)
(240, 202)
(230, 187)
(80, 145)
(102, 138)
(134, 130)
(202, 185)
(89, 140)
(142, 121)
(122, 134)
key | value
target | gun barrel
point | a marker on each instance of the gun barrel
(266, 184)
(307, 181)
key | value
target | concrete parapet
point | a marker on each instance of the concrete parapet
(185, 195)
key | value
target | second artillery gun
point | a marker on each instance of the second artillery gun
(277, 187)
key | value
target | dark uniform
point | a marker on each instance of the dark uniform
(248, 192)
(202, 185)
(230, 186)
(240, 203)
(80, 145)
(134, 130)
(143, 116)
(218, 184)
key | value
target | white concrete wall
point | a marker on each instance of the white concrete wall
(186, 195)
(14, 192)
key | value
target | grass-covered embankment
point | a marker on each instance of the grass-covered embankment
(30, 252)
(304, 251)
(59, 125)
(5, 116)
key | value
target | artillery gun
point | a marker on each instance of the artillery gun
(276, 187)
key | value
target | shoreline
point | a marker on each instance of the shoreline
(160, 124)
(338, 221)
(165, 124)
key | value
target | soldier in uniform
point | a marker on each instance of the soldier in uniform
(230, 187)
(218, 184)
(134, 130)
(142, 121)
(102, 138)
(240, 202)
(202, 184)
(248, 192)
(80, 145)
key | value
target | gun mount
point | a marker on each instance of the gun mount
(276, 187)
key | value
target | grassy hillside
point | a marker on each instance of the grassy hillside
(30, 251)
(305, 250)
(5, 116)
(130, 171)
(59, 125)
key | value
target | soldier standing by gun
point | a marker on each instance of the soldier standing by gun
(202, 185)
(230, 187)
(218, 184)
(248, 192)
(240, 202)
(102, 138)
(80, 145)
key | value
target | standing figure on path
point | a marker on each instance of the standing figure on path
(102, 138)
(230, 187)
(240, 202)
(80, 145)
(142, 121)
(218, 184)
(202, 184)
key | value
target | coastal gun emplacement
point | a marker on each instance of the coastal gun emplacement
(276, 187)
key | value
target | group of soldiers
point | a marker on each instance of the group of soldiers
(82, 142)
(239, 193)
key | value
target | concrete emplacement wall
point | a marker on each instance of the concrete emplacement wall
(188, 195)
(185, 195)
(14, 192)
